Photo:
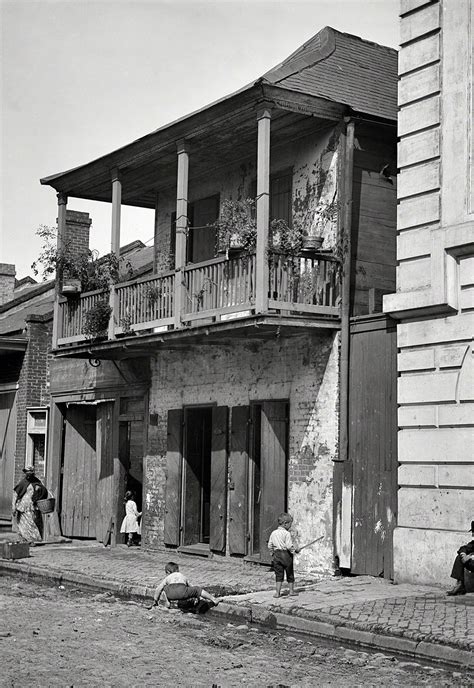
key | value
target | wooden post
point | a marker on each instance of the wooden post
(181, 230)
(345, 491)
(263, 209)
(52, 528)
(156, 262)
(115, 243)
(61, 238)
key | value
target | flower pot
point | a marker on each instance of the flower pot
(71, 286)
(312, 243)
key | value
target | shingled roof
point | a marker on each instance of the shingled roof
(343, 68)
(331, 75)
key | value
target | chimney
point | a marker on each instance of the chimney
(7, 282)
(77, 232)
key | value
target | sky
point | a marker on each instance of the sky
(80, 78)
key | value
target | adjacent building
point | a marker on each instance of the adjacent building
(434, 300)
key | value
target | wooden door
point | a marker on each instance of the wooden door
(373, 444)
(274, 440)
(7, 451)
(202, 237)
(107, 487)
(79, 479)
(197, 474)
(174, 459)
(238, 485)
(218, 501)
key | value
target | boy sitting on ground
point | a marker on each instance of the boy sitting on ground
(175, 587)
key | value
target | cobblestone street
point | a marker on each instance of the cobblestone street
(60, 636)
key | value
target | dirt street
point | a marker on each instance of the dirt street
(60, 636)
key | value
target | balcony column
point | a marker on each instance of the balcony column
(263, 209)
(181, 230)
(115, 244)
(61, 238)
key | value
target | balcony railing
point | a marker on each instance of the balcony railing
(219, 288)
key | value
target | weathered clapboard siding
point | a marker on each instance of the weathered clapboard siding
(373, 443)
(78, 498)
(373, 218)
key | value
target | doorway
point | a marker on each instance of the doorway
(197, 475)
(267, 474)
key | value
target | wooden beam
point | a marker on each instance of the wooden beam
(181, 228)
(61, 238)
(263, 209)
(115, 243)
(286, 99)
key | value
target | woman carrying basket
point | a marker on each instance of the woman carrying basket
(25, 511)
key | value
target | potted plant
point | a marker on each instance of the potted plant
(96, 320)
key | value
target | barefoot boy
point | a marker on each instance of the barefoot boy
(282, 548)
(175, 587)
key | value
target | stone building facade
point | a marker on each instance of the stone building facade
(435, 287)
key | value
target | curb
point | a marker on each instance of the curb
(416, 649)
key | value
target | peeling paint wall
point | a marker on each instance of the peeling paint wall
(304, 371)
(313, 160)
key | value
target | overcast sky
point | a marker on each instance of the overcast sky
(81, 78)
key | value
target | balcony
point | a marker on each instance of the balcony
(214, 291)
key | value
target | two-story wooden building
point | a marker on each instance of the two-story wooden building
(224, 383)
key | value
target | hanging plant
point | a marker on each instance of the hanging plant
(96, 320)
(87, 271)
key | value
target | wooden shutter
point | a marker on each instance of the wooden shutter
(238, 460)
(172, 251)
(174, 456)
(218, 478)
(106, 484)
(280, 197)
(274, 433)
(202, 236)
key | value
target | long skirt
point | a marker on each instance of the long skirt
(29, 524)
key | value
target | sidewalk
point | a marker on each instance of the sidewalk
(418, 621)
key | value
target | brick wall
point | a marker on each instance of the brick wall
(7, 282)
(33, 383)
(77, 232)
(303, 370)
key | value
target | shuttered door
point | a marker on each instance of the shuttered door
(106, 484)
(7, 451)
(273, 439)
(218, 478)
(78, 500)
(174, 457)
(238, 462)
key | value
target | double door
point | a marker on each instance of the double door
(226, 476)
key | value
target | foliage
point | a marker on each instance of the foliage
(126, 324)
(96, 319)
(236, 226)
(153, 294)
(92, 271)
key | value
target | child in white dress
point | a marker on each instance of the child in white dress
(130, 524)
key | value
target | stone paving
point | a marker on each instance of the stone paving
(413, 612)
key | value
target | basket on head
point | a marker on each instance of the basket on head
(46, 506)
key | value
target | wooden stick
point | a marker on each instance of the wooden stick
(308, 544)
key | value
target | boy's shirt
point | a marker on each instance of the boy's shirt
(175, 577)
(281, 539)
